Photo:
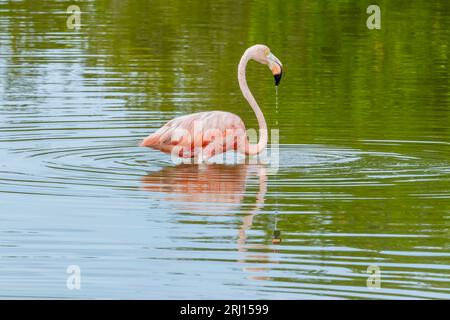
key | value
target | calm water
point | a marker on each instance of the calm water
(364, 177)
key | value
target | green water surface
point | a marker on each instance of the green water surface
(364, 174)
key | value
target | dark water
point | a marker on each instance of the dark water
(364, 177)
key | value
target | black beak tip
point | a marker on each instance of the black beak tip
(278, 78)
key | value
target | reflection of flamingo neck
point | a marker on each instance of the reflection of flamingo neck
(247, 221)
(252, 149)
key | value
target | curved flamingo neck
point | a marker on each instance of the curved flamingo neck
(262, 143)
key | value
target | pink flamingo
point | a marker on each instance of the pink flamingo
(205, 134)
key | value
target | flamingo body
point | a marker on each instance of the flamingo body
(190, 134)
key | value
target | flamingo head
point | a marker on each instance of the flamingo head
(262, 54)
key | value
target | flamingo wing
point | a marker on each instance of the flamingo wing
(186, 133)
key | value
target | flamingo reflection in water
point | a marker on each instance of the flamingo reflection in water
(197, 187)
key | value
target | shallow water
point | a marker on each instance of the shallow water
(364, 169)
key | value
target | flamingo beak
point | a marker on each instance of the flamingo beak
(276, 67)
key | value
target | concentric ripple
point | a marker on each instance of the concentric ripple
(121, 165)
